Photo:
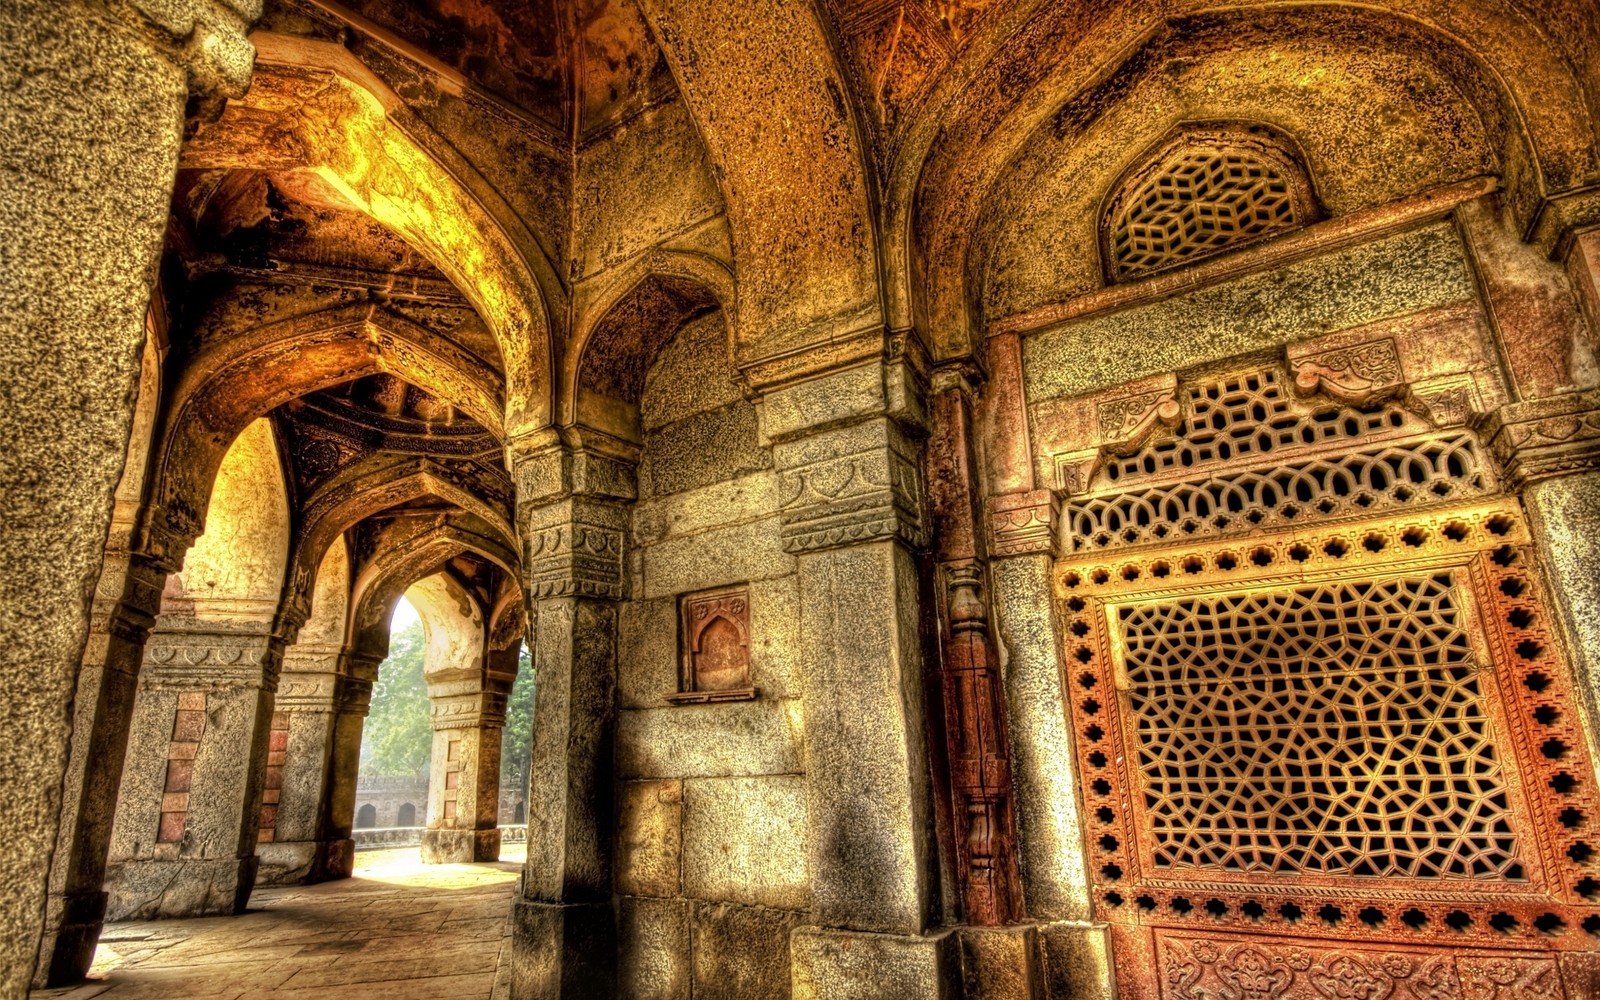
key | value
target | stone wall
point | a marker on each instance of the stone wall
(712, 841)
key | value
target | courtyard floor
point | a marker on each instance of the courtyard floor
(398, 930)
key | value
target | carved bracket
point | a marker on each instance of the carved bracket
(1359, 375)
(575, 548)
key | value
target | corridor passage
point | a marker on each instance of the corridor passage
(399, 930)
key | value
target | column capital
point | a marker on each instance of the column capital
(1545, 438)
(477, 710)
(206, 38)
(184, 654)
(575, 547)
(849, 485)
(1023, 524)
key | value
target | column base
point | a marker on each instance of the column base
(72, 925)
(147, 889)
(827, 964)
(563, 951)
(447, 847)
(303, 862)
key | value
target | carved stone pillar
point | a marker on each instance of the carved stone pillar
(847, 451)
(184, 842)
(573, 520)
(89, 137)
(464, 778)
(126, 601)
(322, 699)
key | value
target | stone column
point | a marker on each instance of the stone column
(184, 841)
(89, 135)
(308, 798)
(573, 519)
(847, 452)
(125, 605)
(464, 777)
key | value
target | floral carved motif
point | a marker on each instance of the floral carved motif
(1214, 968)
(1127, 423)
(1358, 375)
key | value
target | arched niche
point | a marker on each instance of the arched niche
(330, 598)
(235, 570)
(626, 331)
(1387, 100)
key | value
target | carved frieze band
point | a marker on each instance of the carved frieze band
(323, 692)
(485, 710)
(1023, 524)
(575, 548)
(1543, 438)
(211, 661)
(848, 486)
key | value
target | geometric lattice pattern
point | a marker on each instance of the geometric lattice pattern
(1434, 470)
(1200, 200)
(1254, 414)
(1331, 730)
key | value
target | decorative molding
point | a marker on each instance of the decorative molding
(1023, 524)
(478, 710)
(195, 661)
(1196, 967)
(1127, 422)
(848, 486)
(1544, 438)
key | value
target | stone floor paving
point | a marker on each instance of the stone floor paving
(399, 930)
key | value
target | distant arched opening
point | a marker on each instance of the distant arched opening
(367, 817)
(408, 815)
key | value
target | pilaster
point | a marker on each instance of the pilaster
(322, 698)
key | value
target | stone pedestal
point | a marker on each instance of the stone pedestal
(89, 136)
(464, 779)
(184, 842)
(564, 938)
(305, 822)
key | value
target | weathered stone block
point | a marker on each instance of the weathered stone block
(647, 652)
(999, 963)
(649, 837)
(855, 965)
(715, 558)
(731, 501)
(702, 449)
(717, 740)
(1077, 961)
(741, 951)
(653, 948)
(745, 840)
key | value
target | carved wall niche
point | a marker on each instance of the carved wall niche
(714, 647)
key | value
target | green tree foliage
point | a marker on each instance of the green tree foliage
(397, 739)
(516, 743)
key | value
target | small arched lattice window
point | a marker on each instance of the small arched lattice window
(1205, 190)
